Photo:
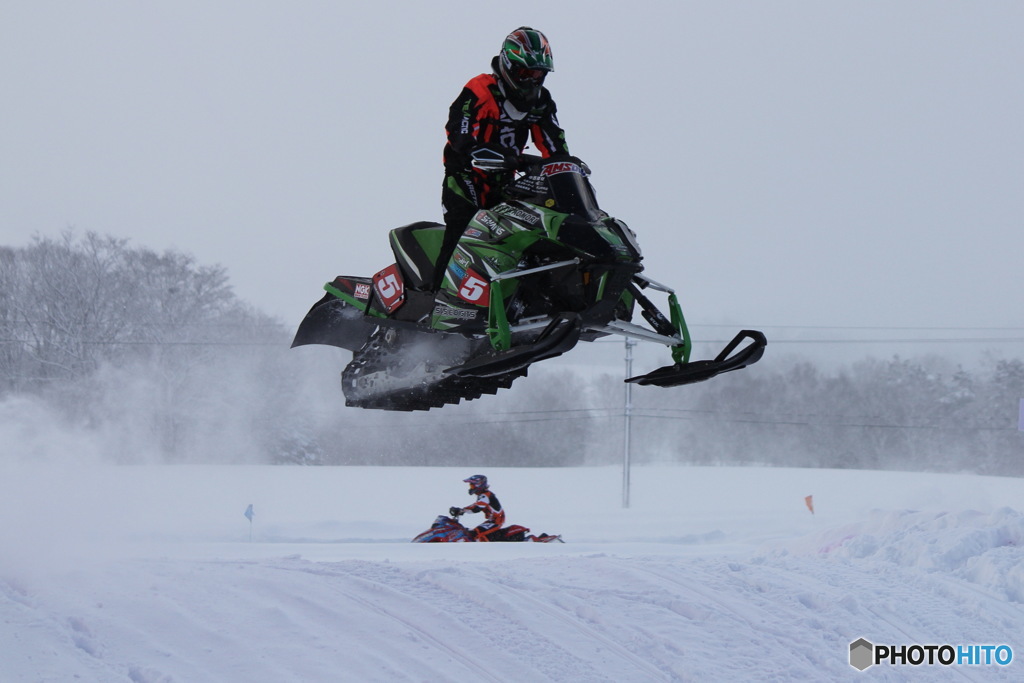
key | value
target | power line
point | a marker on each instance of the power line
(842, 421)
(917, 339)
(88, 342)
(920, 328)
(917, 328)
(160, 324)
(830, 425)
(906, 340)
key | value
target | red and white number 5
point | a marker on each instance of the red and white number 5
(388, 286)
(474, 290)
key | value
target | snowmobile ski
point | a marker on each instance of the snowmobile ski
(692, 372)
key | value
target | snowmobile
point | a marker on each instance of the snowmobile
(530, 277)
(447, 529)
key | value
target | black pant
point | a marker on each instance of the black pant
(458, 210)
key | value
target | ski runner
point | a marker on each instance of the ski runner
(487, 503)
(488, 127)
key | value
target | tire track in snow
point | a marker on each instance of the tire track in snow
(453, 652)
(911, 638)
(746, 616)
(993, 604)
(336, 572)
(454, 593)
(953, 590)
(752, 603)
(510, 627)
(525, 596)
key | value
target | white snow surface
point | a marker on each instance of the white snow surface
(148, 574)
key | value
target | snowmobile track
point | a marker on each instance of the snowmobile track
(369, 380)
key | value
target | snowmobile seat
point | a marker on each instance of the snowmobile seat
(416, 247)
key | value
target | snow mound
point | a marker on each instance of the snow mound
(982, 548)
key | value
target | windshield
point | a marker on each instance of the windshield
(560, 184)
(570, 189)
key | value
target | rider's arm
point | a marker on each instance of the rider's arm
(548, 136)
(461, 128)
(471, 122)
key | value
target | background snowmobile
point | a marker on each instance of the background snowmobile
(530, 277)
(449, 530)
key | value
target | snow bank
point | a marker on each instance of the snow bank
(981, 548)
(146, 574)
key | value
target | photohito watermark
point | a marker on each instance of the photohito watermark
(864, 654)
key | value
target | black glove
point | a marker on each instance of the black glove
(492, 158)
(454, 511)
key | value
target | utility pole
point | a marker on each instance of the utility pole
(628, 427)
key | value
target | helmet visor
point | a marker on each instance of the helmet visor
(476, 482)
(525, 75)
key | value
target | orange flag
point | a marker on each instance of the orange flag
(809, 500)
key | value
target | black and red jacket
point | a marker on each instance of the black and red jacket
(481, 114)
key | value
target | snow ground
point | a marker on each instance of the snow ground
(147, 574)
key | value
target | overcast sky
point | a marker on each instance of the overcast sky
(784, 163)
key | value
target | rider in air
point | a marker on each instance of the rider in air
(487, 503)
(489, 125)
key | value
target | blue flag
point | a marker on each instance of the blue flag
(248, 512)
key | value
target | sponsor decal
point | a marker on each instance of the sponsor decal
(472, 232)
(445, 311)
(362, 291)
(518, 214)
(561, 167)
(507, 133)
(474, 289)
(457, 271)
(390, 288)
(462, 259)
(485, 219)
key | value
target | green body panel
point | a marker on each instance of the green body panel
(430, 242)
(497, 322)
(680, 352)
(494, 242)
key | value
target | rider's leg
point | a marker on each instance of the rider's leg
(485, 531)
(457, 202)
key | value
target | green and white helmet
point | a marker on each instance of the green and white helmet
(525, 59)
